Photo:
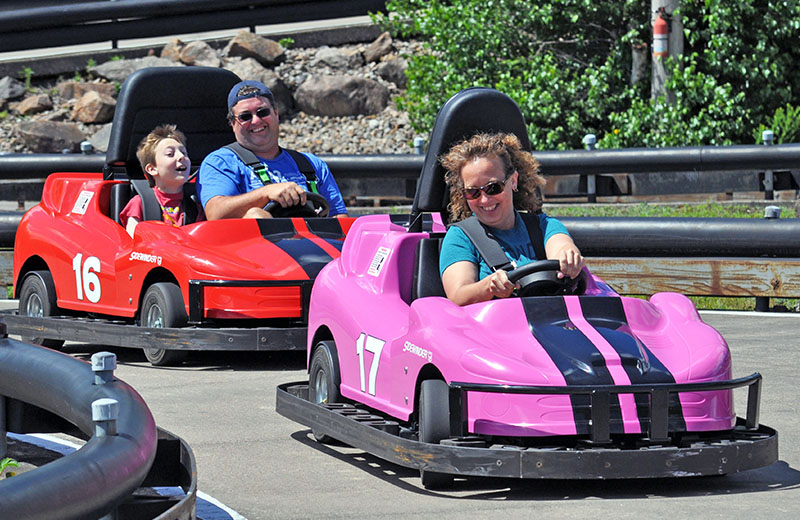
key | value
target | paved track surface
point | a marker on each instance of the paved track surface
(265, 466)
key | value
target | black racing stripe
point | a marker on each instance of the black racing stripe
(276, 229)
(575, 356)
(308, 255)
(328, 228)
(607, 316)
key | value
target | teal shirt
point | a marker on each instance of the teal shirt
(516, 244)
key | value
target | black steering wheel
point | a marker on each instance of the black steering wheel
(540, 278)
(316, 206)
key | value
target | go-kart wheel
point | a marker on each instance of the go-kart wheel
(316, 206)
(434, 426)
(540, 278)
(162, 307)
(324, 379)
(37, 299)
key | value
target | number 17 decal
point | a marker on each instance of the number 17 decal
(374, 345)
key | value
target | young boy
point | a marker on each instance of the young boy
(166, 165)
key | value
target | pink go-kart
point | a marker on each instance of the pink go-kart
(569, 380)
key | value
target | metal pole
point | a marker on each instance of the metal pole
(768, 137)
(590, 140)
(770, 213)
(3, 439)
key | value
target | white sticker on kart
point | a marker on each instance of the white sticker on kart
(86, 280)
(83, 202)
(378, 261)
(145, 257)
(418, 351)
(375, 346)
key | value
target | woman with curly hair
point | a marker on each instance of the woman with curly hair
(491, 177)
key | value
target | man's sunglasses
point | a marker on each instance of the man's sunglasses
(246, 117)
(490, 188)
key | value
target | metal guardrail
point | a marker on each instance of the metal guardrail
(89, 22)
(41, 389)
(553, 163)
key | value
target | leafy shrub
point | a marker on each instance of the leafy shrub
(568, 64)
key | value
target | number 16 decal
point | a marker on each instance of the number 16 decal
(374, 345)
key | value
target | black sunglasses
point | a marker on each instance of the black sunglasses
(262, 113)
(490, 188)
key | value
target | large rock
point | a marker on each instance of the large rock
(337, 59)
(119, 70)
(94, 108)
(341, 95)
(199, 53)
(394, 70)
(50, 136)
(248, 45)
(76, 89)
(11, 88)
(35, 104)
(379, 48)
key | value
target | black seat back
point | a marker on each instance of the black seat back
(193, 98)
(467, 113)
(426, 281)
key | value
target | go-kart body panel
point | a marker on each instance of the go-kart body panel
(385, 344)
(98, 268)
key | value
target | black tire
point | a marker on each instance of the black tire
(324, 380)
(162, 307)
(434, 426)
(37, 298)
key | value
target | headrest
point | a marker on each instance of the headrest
(193, 98)
(469, 112)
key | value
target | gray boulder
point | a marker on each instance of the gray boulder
(50, 136)
(341, 95)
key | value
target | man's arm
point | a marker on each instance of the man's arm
(247, 204)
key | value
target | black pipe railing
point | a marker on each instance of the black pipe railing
(553, 163)
(89, 22)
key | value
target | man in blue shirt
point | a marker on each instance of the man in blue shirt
(229, 188)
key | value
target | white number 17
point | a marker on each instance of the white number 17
(374, 345)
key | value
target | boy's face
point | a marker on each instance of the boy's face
(172, 166)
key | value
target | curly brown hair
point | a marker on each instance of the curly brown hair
(508, 149)
(146, 152)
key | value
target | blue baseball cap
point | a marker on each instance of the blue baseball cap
(248, 89)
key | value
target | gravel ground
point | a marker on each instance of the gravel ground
(386, 133)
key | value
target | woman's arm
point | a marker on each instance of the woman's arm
(462, 289)
(561, 247)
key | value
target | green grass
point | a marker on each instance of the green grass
(644, 209)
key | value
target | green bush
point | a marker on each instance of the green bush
(567, 63)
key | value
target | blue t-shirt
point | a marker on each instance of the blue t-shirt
(223, 173)
(516, 243)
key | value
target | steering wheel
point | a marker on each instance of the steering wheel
(316, 206)
(540, 278)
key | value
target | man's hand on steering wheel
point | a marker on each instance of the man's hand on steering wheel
(284, 194)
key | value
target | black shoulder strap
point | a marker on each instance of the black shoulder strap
(303, 164)
(151, 209)
(190, 211)
(244, 155)
(486, 244)
(531, 221)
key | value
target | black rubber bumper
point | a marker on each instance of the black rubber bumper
(730, 452)
(121, 334)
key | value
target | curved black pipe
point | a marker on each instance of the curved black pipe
(106, 470)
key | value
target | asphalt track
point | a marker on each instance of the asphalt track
(264, 466)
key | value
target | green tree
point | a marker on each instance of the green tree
(567, 64)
